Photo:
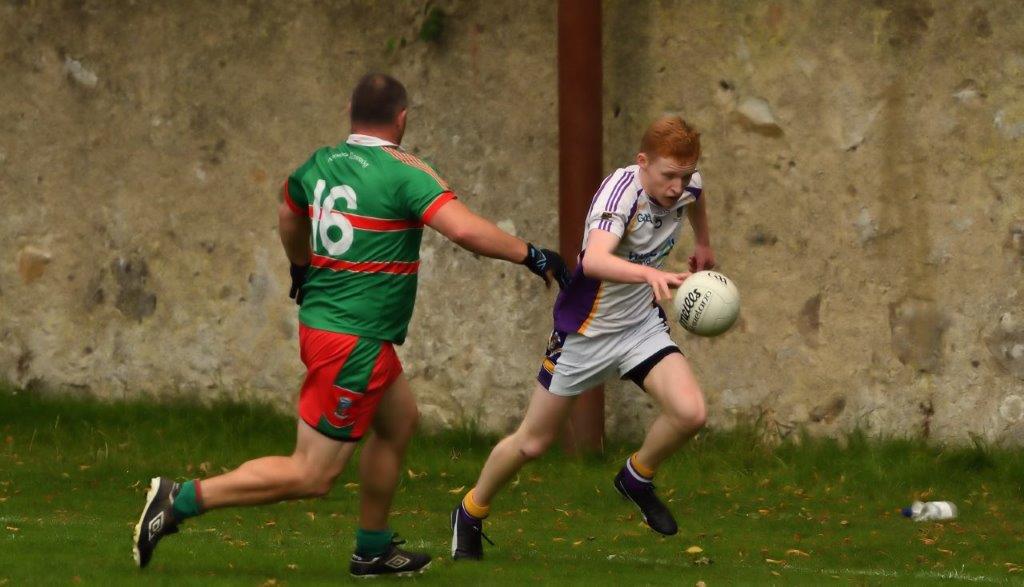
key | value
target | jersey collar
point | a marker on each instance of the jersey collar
(682, 202)
(368, 141)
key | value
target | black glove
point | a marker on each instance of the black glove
(298, 278)
(546, 264)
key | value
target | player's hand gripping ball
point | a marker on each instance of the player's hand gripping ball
(707, 303)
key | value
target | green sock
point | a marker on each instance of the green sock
(188, 502)
(372, 542)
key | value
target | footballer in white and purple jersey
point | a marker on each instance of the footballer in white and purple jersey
(608, 323)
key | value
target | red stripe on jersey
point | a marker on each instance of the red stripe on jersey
(376, 224)
(290, 201)
(394, 267)
(381, 224)
(434, 206)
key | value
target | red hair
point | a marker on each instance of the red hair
(670, 136)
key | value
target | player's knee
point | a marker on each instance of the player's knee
(699, 417)
(321, 487)
(308, 481)
(534, 447)
(690, 416)
(413, 418)
(398, 430)
(319, 484)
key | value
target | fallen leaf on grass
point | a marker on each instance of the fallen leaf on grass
(694, 550)
(795, 552)
(702, 561)
(776, 573)
(458, 489)
(414, 474)
(566, 512)
(577, 543)
(84, 467)
(293, 567)
(351, 486)
(558, 539)
(945, 551)
(773, 561)
(312, 516)
(13, 529)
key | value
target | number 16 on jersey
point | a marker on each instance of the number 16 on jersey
(334, 242)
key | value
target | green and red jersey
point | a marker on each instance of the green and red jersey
(368, 201)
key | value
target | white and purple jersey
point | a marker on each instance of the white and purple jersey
(647, 234)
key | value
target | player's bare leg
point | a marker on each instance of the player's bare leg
(672, 383)
(308, 472)
(380, 463)
(544, 418)
(380, 467)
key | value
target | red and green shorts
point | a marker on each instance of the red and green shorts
(345, 379)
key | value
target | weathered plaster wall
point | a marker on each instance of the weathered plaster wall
(859, 160)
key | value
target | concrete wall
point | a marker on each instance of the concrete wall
(859, 162)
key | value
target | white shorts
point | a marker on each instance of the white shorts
(574, 363)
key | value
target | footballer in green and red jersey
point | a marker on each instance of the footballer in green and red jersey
(368, 201)
(351, 223)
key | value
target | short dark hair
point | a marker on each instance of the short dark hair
(377, 99)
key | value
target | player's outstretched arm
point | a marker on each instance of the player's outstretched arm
(599, 262)
(479, 235)
(703, 257)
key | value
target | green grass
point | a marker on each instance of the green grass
(73, 476)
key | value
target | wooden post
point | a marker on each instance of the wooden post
(580, 163)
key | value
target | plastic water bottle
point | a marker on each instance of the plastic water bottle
(930, 511)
